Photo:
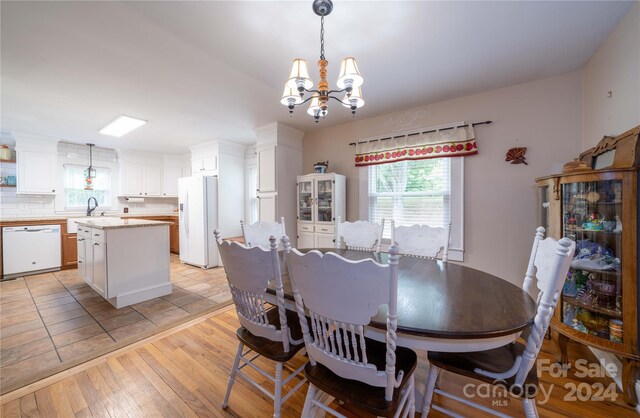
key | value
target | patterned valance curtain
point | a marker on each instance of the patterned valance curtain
(453, 140)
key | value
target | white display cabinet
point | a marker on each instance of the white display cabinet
(321, 198)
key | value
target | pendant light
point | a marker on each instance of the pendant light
(89, 173)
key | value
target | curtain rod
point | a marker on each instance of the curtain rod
(487, 122)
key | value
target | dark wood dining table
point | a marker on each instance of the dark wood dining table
(444, 306)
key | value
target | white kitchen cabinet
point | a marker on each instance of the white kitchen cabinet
(131, 176)
(82, 259)
(152, 180)
(141, 180)
(321, 199)
(171, 176)
(35, 172)
(125, 263)
(206, 165)
(100, 267)
(266, 169)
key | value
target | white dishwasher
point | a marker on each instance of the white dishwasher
(30, 250)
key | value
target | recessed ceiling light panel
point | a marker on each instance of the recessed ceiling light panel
(122, 125)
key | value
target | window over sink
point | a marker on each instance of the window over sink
(75, 195)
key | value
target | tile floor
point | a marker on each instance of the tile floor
(53, 318)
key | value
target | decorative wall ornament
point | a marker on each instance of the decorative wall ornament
(516, 155)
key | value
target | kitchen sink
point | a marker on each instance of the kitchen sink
(72, 226)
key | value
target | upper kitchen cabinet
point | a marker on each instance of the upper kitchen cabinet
(36, 168)
(140, 175)
(175, 166)
(205, 164)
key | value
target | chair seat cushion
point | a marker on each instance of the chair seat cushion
(274, 350)
(497, 360)
(364, 397)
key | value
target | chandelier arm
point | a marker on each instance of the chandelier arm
(336, 91)
(334, 97)
(303, 102)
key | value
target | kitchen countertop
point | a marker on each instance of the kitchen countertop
(59, 218)
(116, 223)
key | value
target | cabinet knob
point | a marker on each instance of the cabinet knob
(79, 261)
(53, 190)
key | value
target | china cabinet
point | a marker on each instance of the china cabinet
(595, 203)
(320, 199)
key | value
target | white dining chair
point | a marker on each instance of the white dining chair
(257, 234)
(248, 272)
(359, 235)
(422, 240)
(511, 366)
(371, 376)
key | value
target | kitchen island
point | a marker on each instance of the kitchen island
(126, 261)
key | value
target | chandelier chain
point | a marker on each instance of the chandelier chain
(321, 37)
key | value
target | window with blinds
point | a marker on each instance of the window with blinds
(75, 195)
(411, 192)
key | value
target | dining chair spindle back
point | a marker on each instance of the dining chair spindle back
(249, 270)
(359, 235)
(513, 365)
(422, 240)
(257, 234)
(341, 296)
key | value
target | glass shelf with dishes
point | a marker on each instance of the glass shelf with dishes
(592, 294)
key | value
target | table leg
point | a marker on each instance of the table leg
(560, 341)
(629, 375)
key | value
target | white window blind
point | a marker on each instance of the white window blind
(411, 192)
(75, 195)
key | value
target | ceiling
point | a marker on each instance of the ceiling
(199, 71)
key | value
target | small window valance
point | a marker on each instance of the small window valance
(452, 140)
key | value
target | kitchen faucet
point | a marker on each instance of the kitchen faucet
(89, 208)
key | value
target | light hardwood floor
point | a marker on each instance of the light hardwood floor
(185, 374)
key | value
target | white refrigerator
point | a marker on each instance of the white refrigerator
(198, 215)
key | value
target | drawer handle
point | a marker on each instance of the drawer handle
(80, 239)
(96, 235)
(96, 243)
(80, 261)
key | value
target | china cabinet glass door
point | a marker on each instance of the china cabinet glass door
(324, 203)
(305, 201)
(593, 292)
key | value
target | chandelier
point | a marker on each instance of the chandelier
(349, 80)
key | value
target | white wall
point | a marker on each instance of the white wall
(614, 67)
(500, 198)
